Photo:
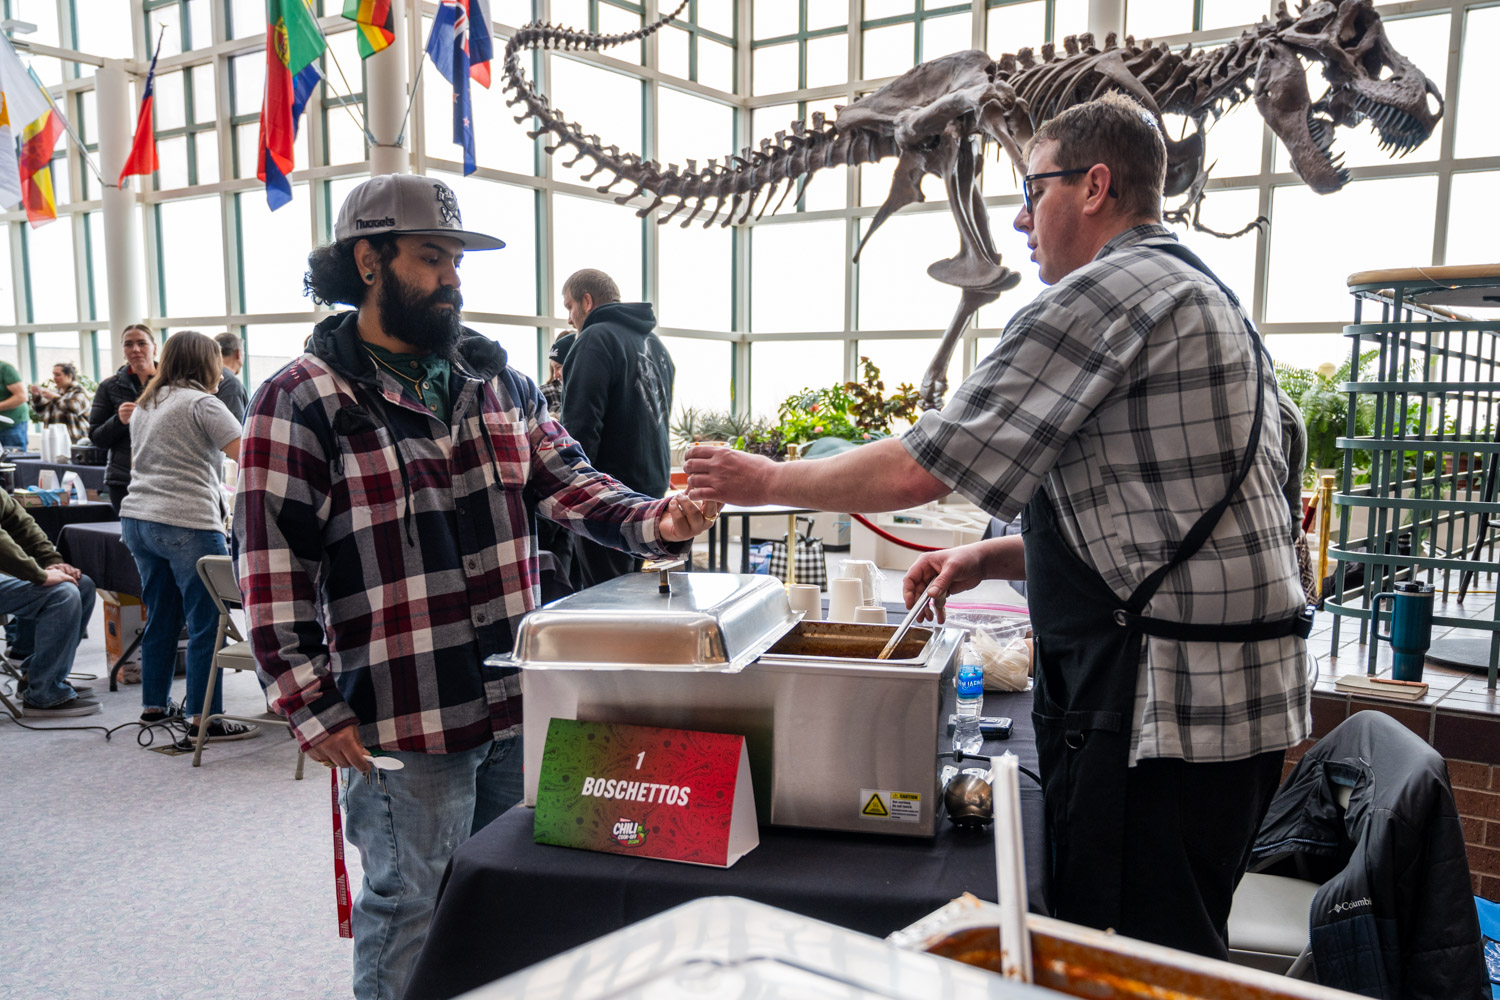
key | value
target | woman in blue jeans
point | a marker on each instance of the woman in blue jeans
(173, 516)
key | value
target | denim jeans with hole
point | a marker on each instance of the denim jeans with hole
(55, 618)
(167, 557)
(407, 824)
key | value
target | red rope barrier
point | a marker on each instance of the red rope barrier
(881, 533)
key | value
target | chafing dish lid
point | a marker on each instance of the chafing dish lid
(709, 622)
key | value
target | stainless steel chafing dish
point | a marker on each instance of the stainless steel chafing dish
(827, 725)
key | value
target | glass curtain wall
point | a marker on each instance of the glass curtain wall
(752, 313)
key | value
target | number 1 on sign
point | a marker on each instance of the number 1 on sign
(640, 759)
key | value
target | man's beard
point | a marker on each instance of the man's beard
(421, 321)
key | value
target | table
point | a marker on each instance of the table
(100, 553)
(508, 902)
(27, 471)
(52, 520)
(720, 552)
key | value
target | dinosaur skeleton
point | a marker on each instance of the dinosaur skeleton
(937, 118)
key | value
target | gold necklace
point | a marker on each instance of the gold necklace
(416, 382)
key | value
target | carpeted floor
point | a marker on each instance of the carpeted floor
(130, 874)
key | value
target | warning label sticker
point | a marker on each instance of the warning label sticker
(879, 803)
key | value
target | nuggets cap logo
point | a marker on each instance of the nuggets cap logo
(448, 206)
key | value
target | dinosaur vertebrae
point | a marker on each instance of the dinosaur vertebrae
(740, 179)
(1189, 83)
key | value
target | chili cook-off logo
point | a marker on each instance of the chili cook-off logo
(629, 833)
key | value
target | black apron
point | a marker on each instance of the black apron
(1088, 648)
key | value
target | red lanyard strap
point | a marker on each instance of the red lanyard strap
(340, 873)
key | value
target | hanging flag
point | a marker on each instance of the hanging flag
(481, 42)
(10, 169)
(377, 24)
(142, 159)
(448, 47)
(293, 45)
(27, 105)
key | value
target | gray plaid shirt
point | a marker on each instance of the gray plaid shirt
(1127, 392)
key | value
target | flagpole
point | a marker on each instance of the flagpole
(82, 150)
(359, 123)
(159, 36)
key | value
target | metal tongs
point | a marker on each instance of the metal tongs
(905, 626)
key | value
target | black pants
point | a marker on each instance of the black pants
(594, 563)
(1188, 833)
(117, 495)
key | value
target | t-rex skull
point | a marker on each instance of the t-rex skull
(1367, 78)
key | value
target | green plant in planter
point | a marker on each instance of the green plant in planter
(855, 411)
(1325, 411)
(693, 425)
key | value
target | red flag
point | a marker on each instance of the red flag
(142, 158)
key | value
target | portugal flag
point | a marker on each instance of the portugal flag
(293, 45)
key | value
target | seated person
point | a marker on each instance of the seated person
(54, 602)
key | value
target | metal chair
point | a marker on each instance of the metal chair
(231, 652)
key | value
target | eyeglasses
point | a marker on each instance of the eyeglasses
(1029, 201)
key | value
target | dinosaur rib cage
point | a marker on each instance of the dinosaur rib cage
(1194, 84)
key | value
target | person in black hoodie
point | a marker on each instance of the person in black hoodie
(617, 399)
(114, 402)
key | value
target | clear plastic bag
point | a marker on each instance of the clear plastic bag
(1003, 649)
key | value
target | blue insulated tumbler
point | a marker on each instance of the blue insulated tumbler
(1411, 628)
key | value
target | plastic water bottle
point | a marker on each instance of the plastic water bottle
(966, 735)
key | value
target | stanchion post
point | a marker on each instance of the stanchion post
(1325, 512)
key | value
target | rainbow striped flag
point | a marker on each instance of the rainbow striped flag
(377, 24)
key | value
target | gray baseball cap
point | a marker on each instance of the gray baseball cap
(408, 204)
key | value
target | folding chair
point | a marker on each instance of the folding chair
(231, 652)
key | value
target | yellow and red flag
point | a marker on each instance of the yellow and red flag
(377, 24)
(27, 105)
(10, 173)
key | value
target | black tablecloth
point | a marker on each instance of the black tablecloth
(98, 551)
(52, 520)
(27, 471)
(508, 902)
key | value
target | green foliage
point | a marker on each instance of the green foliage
(1325, 411)
(89, 384)
(871, 411)
(693, 425)
(854, 411)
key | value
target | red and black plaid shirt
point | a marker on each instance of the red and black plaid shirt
(382, 555)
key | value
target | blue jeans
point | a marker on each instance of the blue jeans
(56, 616)
(167, 557)
(407, 825)
(14, 436)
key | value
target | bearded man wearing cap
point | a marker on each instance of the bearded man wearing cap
(389, 479)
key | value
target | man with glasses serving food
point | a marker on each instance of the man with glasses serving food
(1130, 412)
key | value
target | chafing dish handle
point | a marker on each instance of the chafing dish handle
(664, 568)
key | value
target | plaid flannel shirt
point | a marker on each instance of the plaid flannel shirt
(70, 408)
(1127, 392)
(382, 556)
